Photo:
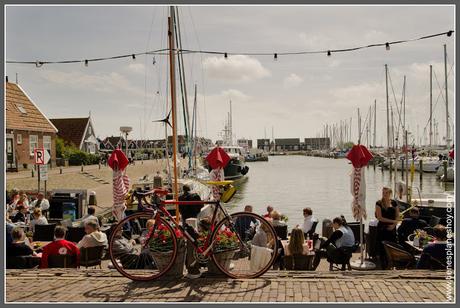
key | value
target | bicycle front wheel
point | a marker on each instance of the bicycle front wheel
(142, 248)
(244, 246)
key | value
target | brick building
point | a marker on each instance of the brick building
(27, 128)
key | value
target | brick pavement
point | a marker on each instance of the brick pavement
(70, 285)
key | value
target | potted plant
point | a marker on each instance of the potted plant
(161, 246)
(224, 248)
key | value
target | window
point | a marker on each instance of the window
(33, 143)
(47, 143)
(90, 131)
(21, 109)
(19, 138)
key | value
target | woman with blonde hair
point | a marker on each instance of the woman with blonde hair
(297, 245)
(276, 219)
(39, 219)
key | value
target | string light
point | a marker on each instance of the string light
(134, 57)
(213, 52)
(275, 57)
(154, 61)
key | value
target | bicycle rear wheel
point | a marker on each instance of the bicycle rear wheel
(141, 248)
(244, 246)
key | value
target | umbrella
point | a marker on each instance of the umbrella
(217, 160)
(359, 157)
(118, 163)
(452, 154)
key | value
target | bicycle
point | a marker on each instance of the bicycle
(241, 245)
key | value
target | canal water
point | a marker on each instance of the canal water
(290, 183)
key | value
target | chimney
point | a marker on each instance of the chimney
(6, 78)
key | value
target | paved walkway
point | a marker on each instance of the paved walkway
(70, 285)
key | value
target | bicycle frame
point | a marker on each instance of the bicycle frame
(159, 209)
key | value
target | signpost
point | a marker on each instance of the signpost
(42, 157)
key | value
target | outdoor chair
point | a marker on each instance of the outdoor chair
(62, 261)
(91, 256)
(44, 233)
(312, 230)
(435, 264)
(397, 257)
(75, 234)
(22, 262)
(434, 220)
(342, 257)
(297, 262)
(281, 231)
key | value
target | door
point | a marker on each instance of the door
(10, 163)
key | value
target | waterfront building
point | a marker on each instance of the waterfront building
(27, 128)
(263, 144)
(317, 143)
(78, 132)
(246, 144)
(287, 144)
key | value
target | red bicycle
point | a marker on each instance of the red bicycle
(145, 245)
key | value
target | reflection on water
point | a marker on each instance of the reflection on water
(290, 183)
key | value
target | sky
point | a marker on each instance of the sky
(294, 96)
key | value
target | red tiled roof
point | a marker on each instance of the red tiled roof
(72, 130)
(30, 118)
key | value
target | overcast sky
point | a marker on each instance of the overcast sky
(295, 95)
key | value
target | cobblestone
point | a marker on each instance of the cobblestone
(60, 285)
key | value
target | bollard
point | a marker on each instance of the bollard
(81, 167)
(99, 165)
(444, 163)
(32, 172)
(60, 170)
(421, 168)
(402, 168)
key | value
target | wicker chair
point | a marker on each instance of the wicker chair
(91, 256)
(62, 261)
(397, 257)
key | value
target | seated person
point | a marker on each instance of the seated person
(269, 212)
(436, 250)
(338, 245)
(297, 245)
(409, 225)
(125, 251)
(308, 220)
(189, 210)
(245, 225)
(21, 215)
(41, 203)
(276, 219)
(260, 238)
(38, 219)
(89, 216)
(18, 247)
(94, 237)
(59, 246)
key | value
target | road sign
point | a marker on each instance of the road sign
(41, 156)
(43, 172)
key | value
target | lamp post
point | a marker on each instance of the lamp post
(126, 130)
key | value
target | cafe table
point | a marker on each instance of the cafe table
(416, 249)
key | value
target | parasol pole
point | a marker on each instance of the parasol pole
(172, 70)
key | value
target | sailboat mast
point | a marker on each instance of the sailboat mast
(431, 105)
(388, 108)
(447, 101)
(172, 71)
(375, 121)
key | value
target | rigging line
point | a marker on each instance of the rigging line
(364, 125)
(394, 95)
(162, 52)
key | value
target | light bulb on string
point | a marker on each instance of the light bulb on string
(38, 64)
(328, 53)
(134, 56)
(387, 46)
(449, 33)
(154, 61)
(86, 63)
(275, 57)
(225, 55)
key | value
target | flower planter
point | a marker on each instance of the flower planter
(162, 259)
(225, 258)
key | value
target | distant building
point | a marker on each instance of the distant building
(287, 144)
(27, 128)
(263, 144)
(317, 143)
(246, 144)
(78, 132)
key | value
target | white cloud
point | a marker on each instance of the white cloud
(237, 68)
(107, 83)
(292, 81)
(138, 68)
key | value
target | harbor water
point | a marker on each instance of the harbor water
(290, 183)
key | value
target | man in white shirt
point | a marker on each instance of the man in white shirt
(308, 220)
(41, 202)
(90, 216)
